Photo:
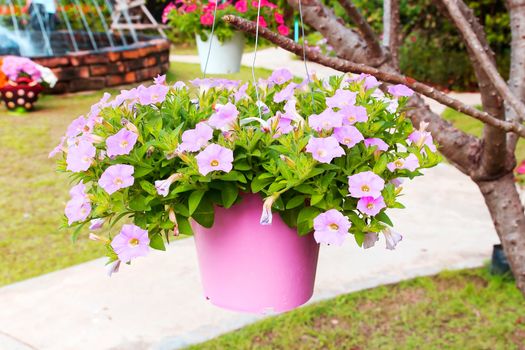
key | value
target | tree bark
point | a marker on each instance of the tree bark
(506, 211)
(391, 29)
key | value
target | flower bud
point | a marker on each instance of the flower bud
(266, 216)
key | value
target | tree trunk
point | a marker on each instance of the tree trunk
(503, 201)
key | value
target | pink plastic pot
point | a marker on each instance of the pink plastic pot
(253, 268)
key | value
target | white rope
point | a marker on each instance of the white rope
(304, 52)
(210, 38)
(255, 84)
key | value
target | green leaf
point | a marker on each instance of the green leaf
(307, 214)
(258, 184)
(194, 200)
(156, 242)
(384, 218)
(316, 198)
(204, 214)
(148, 187)
(181, 209)
(229, 194)
(295, 201)
(184, 225)
(381, 164)
(359, 237)
(138, 203)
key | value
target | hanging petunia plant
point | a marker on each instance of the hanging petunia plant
(327, 156)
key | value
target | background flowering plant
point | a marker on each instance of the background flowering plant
(15, 67)
(190, 17)
(327, 156)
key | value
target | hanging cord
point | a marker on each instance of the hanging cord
(211, 39)
(255, 84)
(304, 53)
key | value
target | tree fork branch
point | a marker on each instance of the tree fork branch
(393, 78)
(366, 30)
(471, 39)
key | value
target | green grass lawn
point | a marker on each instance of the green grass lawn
(468, 309)
(34, 195)
(475, 127)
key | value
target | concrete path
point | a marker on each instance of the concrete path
(157, 303)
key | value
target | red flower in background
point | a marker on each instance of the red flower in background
(521, 168)
(283, 30)
(262, 22)
(264, 3)
(169, 7)
(241, 6)
(207, 19)
(279, 18)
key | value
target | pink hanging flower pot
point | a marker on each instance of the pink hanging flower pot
(249, 267)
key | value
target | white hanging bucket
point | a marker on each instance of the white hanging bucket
(225, 58)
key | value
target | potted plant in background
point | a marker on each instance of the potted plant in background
(195, 18)
(23, 85)
(259, 182)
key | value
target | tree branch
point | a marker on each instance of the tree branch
(388, 77)
(391, 33)
(485, 62)
(366, 30)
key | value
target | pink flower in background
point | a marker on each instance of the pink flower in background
(341, 99)
(116, 177)
(121, 143)
(280, 76)
(80, 156)
(207, 19)
(262, 22)
(521, 168)
(279, 18)
(285, 94)
(371, 206)
(241, 93)
(380, 144)
(132, 242)
(213, 158)
(170, 7)
(194, 139)
(241, 6)
(153, 94)
(370, 240)
(400, 90)
(190, 8)
(283, 30)
(354, 114)
(392, 238)
(160, 79)
(348, 135)
(365, 184)
(324, 149)
(410, 163)
(327, 120)
(331, 227)
(224, 117)
(179, 85)
(14, 66)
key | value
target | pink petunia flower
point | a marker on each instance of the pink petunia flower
(279, 18)
(121, 143)
(324, 149)
(371, 206)
(353, 114)
(163, 186)
(348, 135)
(365, 184)
(285, 94)
(194, 139)
(241, 93)
(170, 7)
(410, 163)
(224, 117)
(153, 94)
(160, 79)
(214, 158)
(400, 90)
(96, 224)
(380, 144)
(116, 177)
(80, 156)
(331, 227)
(326, 120)
(77, 209)
(422, 138)
(262, 22)
(79, 126)
(132, 242)
(207, 19)
(341, 99)
(280, 76)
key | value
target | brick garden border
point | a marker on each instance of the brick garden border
(90, 70)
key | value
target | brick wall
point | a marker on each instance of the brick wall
(88, 70)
